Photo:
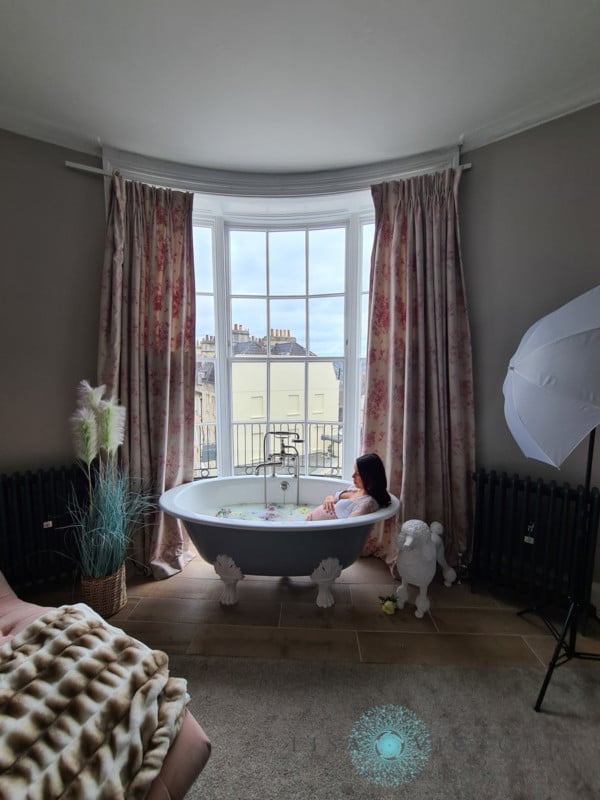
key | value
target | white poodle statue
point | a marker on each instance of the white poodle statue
(420, 550)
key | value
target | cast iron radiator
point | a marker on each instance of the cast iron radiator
(524, 536)
(34, 525)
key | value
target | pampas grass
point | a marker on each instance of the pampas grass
(103, 526)
(111, 427)
(103, 523)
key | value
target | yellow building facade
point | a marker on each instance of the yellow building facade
(297, 395)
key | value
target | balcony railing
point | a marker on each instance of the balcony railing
(320, 453)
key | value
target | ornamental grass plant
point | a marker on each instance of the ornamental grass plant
(104, 519)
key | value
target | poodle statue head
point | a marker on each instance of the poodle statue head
(414, 533)
(415, 537)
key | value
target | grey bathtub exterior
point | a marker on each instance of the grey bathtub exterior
(269, 547)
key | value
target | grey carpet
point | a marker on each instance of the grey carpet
(282, 729)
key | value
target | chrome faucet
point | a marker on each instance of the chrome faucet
(291, 448)
(281, 459)
(288, 449)
(270, 462)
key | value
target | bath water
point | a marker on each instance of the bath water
(274, 512)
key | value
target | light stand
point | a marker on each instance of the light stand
(566, 645)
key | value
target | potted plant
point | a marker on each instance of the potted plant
(103, 521)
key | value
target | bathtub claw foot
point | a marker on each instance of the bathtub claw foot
(230, 574)
(324, 576)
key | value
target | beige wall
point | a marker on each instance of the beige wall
(530, 224)
(51, 245)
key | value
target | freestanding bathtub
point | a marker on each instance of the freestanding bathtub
(258, 547)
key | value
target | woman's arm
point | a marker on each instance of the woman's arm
(345, 494)
(332, 499)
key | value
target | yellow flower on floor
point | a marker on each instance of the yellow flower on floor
(388, 605)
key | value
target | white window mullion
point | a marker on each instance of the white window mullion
(268, 332)
(223, 411)
(306, 423)
(351, 349)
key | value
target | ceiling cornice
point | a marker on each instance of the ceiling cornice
(562, 104)
(16, 122)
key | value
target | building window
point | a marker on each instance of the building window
(281, 339)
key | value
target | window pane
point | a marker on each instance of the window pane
(249, 327)
(203, 265)
(327, 260)
(325, 404)
(287, 262)
(288, 327)
(205, 317)
(248, 262)
(249, 414)
(205, 440)
(367, 248)
(287, 390)
(248, 392)
(326, 326)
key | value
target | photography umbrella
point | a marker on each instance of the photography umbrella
(551, 403)
(552, 388)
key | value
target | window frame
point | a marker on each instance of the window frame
(221, 222)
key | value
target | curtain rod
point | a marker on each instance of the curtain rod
(86, 168)
(107, 174)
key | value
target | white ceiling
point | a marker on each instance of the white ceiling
(292, 85)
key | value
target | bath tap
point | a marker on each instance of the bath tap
(286, 449)
(270, 462)
(284, 455)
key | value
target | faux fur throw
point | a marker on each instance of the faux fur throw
(85, 710)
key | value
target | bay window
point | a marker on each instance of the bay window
(281, 332)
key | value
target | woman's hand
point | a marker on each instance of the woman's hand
(329, 503)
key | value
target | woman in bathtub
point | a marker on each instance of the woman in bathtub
(368, 494)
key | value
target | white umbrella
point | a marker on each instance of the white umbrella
(552, 388)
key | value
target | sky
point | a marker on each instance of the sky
(280, 259)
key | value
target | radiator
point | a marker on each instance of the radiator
(524, 536)
(34, 526)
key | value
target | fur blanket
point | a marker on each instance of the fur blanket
(85, 710)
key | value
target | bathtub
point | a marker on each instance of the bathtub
(255, 547)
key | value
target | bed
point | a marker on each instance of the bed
(89, 712)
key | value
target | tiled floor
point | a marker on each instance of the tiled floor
(278, 618)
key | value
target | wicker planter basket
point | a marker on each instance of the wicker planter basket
(105, 595)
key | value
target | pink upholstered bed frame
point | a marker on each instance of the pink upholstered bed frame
(188, 753)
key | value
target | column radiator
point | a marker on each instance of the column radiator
(34, 525)
(524, 536)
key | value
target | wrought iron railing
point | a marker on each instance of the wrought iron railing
(320, 452)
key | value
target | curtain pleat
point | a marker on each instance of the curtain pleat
(146, 351)
(419, 412)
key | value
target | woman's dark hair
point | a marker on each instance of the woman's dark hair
(372, 474)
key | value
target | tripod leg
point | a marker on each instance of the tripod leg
(570, 620)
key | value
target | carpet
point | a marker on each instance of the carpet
(322, 731)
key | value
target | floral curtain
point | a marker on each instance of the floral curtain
(146, 352)
(419, 412)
